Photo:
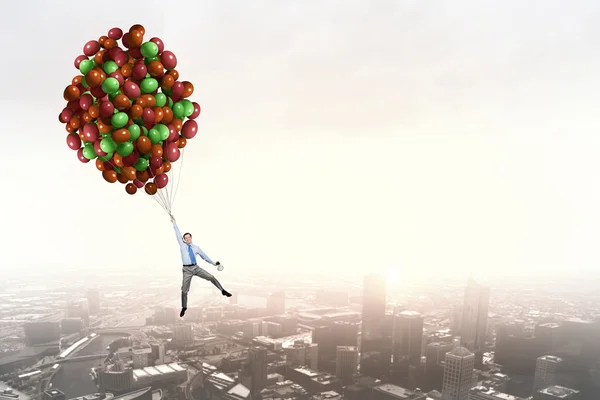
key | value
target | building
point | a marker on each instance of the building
(302, 354)
(182, 335)
(93, 300)
(276, 303)
(173, 374)
(546, 370)
(394, 392)
(253, 374)
(38, 333)
(484, 393)
(346, 363)
(458, 374)
(406, 343)
(79, 309)
(375, 345)
(474, 318)
(53, 394)
(556, 393)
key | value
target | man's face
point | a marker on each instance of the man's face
(187, 238)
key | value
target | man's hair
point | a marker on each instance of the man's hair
(185, 234)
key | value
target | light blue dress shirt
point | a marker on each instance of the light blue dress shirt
(183, 247)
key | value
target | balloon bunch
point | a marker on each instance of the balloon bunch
(127, 109)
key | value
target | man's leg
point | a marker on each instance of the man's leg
(209, 277)
(185, 288)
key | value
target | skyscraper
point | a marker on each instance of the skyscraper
(474, 318)
(407, 342)
(546, 369)
(346, 363)
(458, 374)
(375, 347)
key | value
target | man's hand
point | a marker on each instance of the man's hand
(217, 263)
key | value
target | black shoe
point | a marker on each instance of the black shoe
(182, 313)
(225, 293)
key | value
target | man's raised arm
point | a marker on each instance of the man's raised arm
(177, 233)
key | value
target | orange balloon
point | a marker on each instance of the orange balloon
(151, 188)
(103, 126)
(129, 172)
(130, 188)
(121, 102)
(141, 101)
(158, 114)
(71, 93)
(99, 57)
(177, 124)
(150, 101)
(121, 135)
(100, 164)
(94, 111)
(126, 70)
(139, 28)
(136, 38)
(136, 111)
(167, 82)
(109, 176)
(167, 115)
(109, 44)
(174, 73)
(95, 77)
(74, 122)
(167, 166)
(102, 39)
(143, 144)
(70, 129)
(142, 176)
(157, 150)
(155, 69)
(121, 178)
(117, 160)
(77, 80)
(160, 170)
(181, 142)
(86, 117)
(188, 89)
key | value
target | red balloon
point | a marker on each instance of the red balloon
(178, 90)
(121, 58)
(173, 134)
(91, 48)
(107, 109)
(161, 180)
(136, 53)
(132, 90)
(98, 149)
(172, 152)
(74, 105)
(90, 132)
(126, 39)
(81, 157)
(139, 71)
(115, 33)
(196, 113)
(168, 59)
(74, 141)
(97, 92)
(66, 115)
(148, 116)
(78, 60)
(112, 53)
(155, 162)
(159, 43)
(190, 129)
(86, 101)
(139, 184)
(117, 75)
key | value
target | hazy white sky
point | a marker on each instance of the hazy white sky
(436, 137)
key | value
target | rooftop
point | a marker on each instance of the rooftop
(398, 391)
(560, 392)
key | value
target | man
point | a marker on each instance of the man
(190, 268)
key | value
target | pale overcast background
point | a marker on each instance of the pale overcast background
(426, 137)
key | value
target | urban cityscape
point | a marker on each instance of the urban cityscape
(302, 339)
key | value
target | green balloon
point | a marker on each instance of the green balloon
(154, 136)
(170, 100)
(168, 92)
(161, 99)
(149, 85)
(149, 49)
(110, 85)
(108, 145)
(118, 169)
(144, 130)
(109, 67)
(107, 157)
(86, 66)
(163, 130)
(148, 60)
(139, 121)
(119, 120)
(135, 131)
(125, 149)
(112, 96)
(141, 164)
(188, 107)
(94, 63)
(178, 110)
(147, 156)
(84, 82)
(89, 153)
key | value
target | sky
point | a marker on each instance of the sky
(430, 138)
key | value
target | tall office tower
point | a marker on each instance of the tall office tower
(93, 299)
(375, 346)
(253, 374)
(407, 343)
(546, 369)
(346, 363)
(458, 374)
(474, 319)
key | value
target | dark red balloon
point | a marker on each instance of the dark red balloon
(168, 59)
(136, 53)
(78, 60)
(107, 109)
(74, 105)
(155, 162)
(117, 75)
(98, 149)
(178, 89)
(190, 129)
(74, 141)
(172, 152)
(131, 159)
(66, 115)
(196, 113)
(173, 134)
(115, 33)
(81, 157)
(91, 48)
(121, 58)
(90, 132)
(148, 116)
(97, 92)
(126, 39)
(139, 184)
(86, 101)
(159, 43)
(161, 180)
(139, 71)
(131, 90)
